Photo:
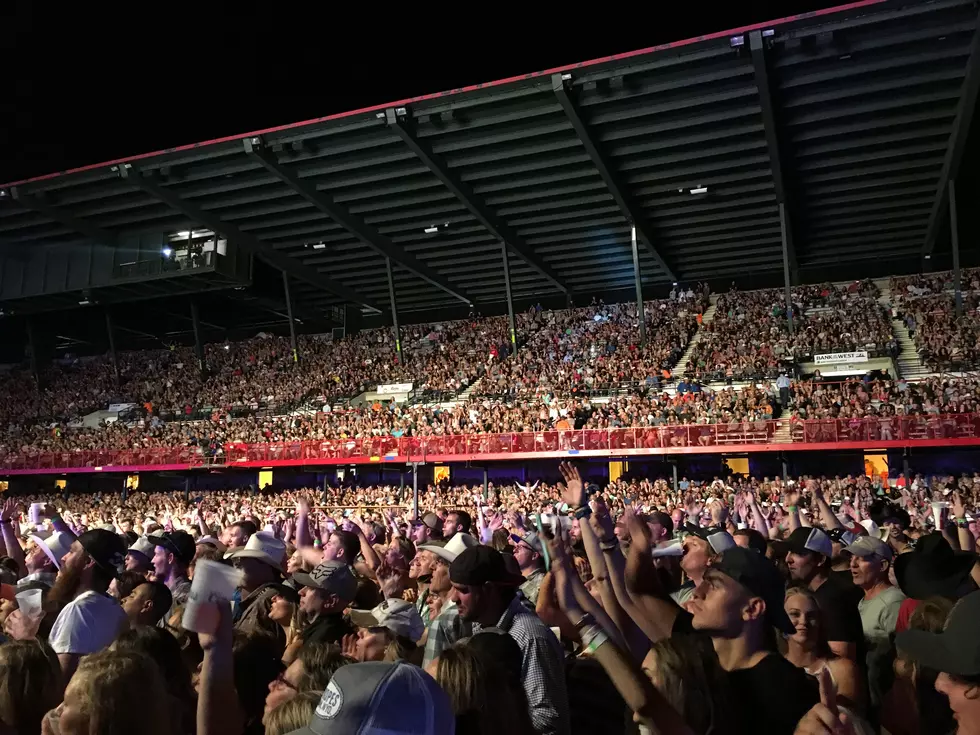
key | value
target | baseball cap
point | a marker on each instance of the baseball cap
(956, 650)
(142, 546)
(717, 537)
(429, 519)
(286, 592)
(760, 577)
(106, 549)
(871, 546)
(529, 539)
(810, 540)
(398, 616)
(482, 565)
(842, 536)
(382, 697)
(332, 576)
(179, 543)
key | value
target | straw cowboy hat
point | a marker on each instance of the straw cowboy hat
(264, 547)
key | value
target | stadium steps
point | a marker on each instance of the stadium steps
(783, 433)
(709, 316)
(909, 366)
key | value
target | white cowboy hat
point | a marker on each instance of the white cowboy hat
(263, 546)
(55, 546)
(453, 548)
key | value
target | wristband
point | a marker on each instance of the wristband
(597, 641)
(962, 523)
(792, 509)
(582, 512)
(586, 619)
(609, 545)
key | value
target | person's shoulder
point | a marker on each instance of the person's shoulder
(893, 595)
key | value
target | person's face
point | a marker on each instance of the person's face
(657, 531)
(575, 532)
(469, 601)
(804, 616)
(333, 550)
(126, 526)
(422, 564)
(450, 525)
(697, 554)
(718, 605)
(294, 563)
(678, 518)
(895, 532)
(253, 571)
(371, 644)
(75, 560)
(525, 555)
(440, 583)
(233, 536)
(802, 567)
(136, 562)
(281, 610)
(134, 604)
(421, 533)
(311, 600)
(284, 687)
(162, 561)
(867, 571)
(964, 701)
(35, 558)
(72, 719)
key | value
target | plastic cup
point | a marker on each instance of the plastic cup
(937, 513)
(34, 514)
(31, 604)
(214, 584)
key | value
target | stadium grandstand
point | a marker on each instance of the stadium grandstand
(711, 297)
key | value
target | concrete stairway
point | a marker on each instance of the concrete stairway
(783, 433)
(908, 358)
(709, 316)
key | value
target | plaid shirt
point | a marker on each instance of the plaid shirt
(543, 669)
(444, 631)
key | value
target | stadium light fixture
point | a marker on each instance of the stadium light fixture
(700, 190)
(184, 234)
(431, 230)
(319, 245)
(167, 252)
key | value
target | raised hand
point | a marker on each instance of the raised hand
(9, 510)
(573, 491)
(959, 510)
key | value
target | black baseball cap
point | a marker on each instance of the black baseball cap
(956, 650)
(482, 565)
(805, 540)
(106, 548)
(179, 543)
(760, 577)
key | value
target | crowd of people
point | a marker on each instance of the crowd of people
(843, 605)
(749, 338)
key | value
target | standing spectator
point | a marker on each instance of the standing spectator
(487, 597)
(458, 521)
(173, 553)
(528, 553)
(261, 562)
(447, 627)
(92, 619)
(148, 604)
(30, 685)
(327, 591)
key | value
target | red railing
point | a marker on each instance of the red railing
(935, 430)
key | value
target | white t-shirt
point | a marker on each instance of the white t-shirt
(87, 624)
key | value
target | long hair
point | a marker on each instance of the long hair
(30, 684)
(293, 714)
(822, 648)
(112, 688)
(686, 671)
(480, 695)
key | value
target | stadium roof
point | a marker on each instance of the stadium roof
(850, 120)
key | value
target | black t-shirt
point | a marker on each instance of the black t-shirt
(329, 628)
(771, 697)
(838, 602)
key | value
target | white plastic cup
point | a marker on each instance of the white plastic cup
(937, 513)
(214, 584)
(34, 514)
(30, 603)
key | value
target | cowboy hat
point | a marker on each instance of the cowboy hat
(264, 547)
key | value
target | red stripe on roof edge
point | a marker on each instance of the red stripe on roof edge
(460, 90)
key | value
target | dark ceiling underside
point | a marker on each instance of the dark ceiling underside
(852, 120)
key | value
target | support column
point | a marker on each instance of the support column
(198, 345)
(673, 471)
(112, 345)
(906, 471)
(784, 233)
(641, 316)
(486, 484)
(394, 312)
(785, 467)
(415, 490)
(32, 347)
(954, 231)
(289, 314)
(325, 497)
(187, 489)
(510, 299)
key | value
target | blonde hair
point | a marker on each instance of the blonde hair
(112, 687)
(30, 685)
(293, 714)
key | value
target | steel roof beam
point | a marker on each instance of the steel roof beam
(487, 217)
(251, 244)
(41, 206)
(624, 201)
(957, 142)
(761, 70)
(369, 235)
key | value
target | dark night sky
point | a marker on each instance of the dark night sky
(80, 86)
